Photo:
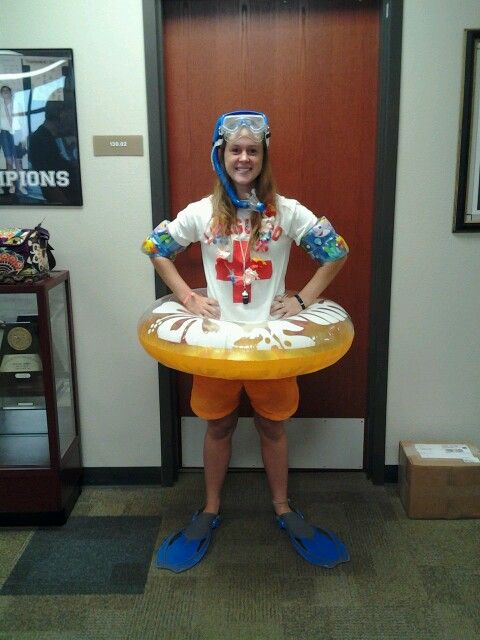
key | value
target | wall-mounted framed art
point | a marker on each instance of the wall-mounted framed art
(39, 158)
(467, 206)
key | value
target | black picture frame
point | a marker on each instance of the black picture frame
(39, 154)
(467, 205)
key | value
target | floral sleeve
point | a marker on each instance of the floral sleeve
(323, 243)
(161, 243)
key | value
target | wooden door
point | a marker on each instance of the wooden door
(312, 66)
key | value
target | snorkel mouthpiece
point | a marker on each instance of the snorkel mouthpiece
(228, 126)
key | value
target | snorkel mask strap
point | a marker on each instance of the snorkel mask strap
(252, 202)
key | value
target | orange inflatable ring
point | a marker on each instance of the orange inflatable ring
(314, 339)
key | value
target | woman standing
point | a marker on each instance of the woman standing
(8, 132)
(246, 229)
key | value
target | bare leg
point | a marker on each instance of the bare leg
(273, 440)
(217, 449)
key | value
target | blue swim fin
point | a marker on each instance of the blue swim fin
(185, 548)
(318, 546)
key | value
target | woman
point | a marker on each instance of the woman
(246, 230)
(9, 131)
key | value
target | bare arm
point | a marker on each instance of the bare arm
(285, 307)
(205, 307)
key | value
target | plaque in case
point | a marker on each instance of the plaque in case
(21, 364)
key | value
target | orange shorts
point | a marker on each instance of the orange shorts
(214, 398)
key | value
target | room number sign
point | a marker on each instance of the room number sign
(118, 145)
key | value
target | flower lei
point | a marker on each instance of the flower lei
(268, 231)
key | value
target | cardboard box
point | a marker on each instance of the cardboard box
(438, 487)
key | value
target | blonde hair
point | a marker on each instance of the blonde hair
(224, 211)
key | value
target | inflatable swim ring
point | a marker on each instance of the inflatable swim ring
(314, 339)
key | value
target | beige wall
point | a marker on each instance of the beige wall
(112, 282)
(434, 369)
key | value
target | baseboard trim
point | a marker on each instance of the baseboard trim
(391, 473)
(121, 475)
(262, 470)
(153, 475)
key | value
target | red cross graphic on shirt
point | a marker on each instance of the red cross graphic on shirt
(233, 271)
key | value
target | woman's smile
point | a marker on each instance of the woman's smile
(243, 158)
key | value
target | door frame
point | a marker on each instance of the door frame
(390, 52)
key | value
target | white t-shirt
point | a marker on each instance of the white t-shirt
(224, 271)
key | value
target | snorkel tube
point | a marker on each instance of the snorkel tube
(252, 202)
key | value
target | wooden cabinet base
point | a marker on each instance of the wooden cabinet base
(43, 518)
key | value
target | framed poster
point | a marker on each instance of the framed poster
(467, 209)
(39, 159)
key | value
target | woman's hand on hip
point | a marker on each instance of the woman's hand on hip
(285, 306)
(202, 306)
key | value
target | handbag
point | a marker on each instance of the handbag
(25, 255)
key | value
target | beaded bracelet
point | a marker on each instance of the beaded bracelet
(301, 302)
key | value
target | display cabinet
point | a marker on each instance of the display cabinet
(40, 469)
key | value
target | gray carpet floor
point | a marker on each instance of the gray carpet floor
(95, 577)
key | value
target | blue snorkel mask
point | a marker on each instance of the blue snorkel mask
(228, 126)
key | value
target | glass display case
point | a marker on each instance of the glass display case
(40, 468)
